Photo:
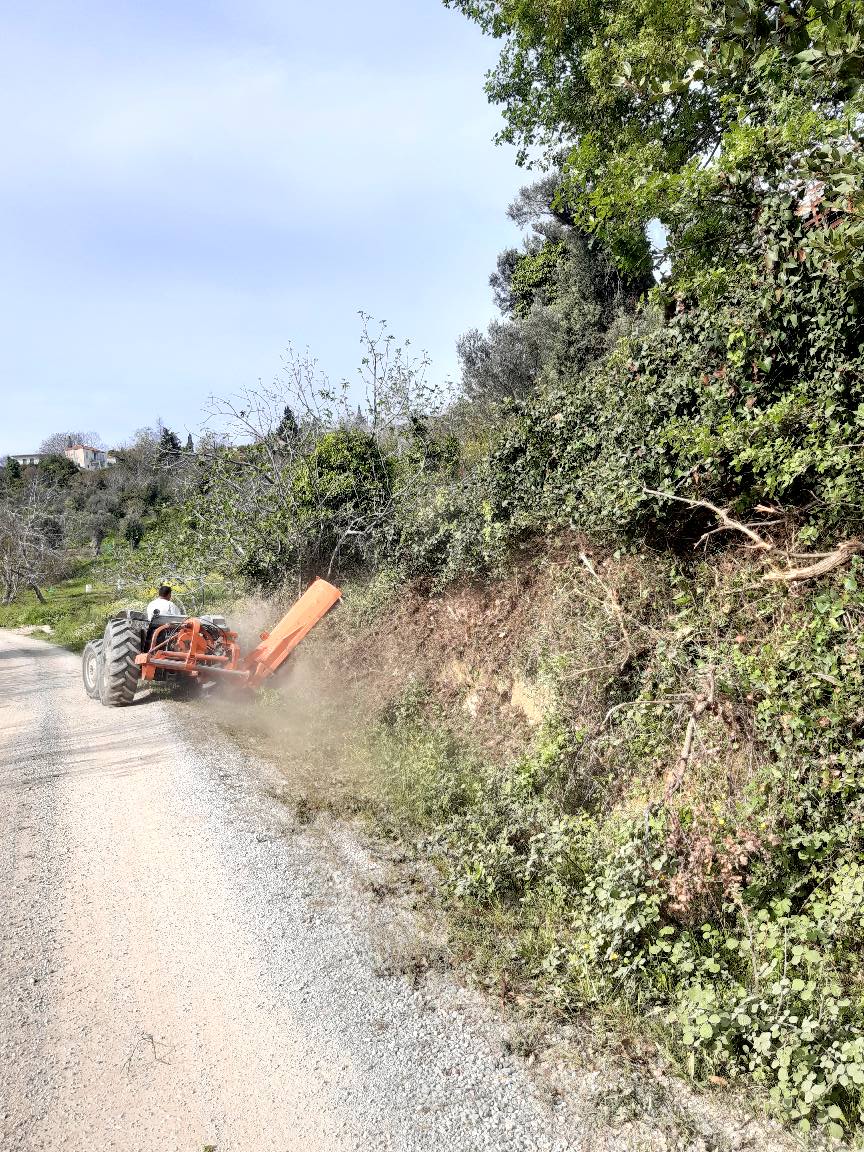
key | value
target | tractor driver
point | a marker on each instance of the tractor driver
(163, 604)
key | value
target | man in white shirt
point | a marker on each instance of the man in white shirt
(163, 604)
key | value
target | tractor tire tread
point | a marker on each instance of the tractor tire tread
(120, 673)
(94, 648)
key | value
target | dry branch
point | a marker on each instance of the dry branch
(722, 515)
(830, 560)
(612, 598)
(702, 703)
(826, 561)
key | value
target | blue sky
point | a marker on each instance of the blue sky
(187, 187)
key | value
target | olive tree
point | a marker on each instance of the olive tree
(31, 540)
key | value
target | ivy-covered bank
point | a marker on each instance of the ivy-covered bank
(678, 838)
(681, 837)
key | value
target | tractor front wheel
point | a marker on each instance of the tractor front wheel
(119, 678)
(91, 670)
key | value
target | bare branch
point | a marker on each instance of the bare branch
(612, 598)
(722, 515)
(831, 560)
(702, 703)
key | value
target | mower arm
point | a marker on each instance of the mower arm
(298, 621)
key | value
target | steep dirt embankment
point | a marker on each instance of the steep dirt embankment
(492, 659)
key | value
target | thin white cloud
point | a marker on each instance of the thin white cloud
(316, 134)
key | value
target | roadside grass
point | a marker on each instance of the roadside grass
(75, 609)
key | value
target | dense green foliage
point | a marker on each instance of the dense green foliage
(725, 909)
(739, 130)
(721, 900)
(743, 402)
(686, 112)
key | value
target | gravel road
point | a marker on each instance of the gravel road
(180, 968)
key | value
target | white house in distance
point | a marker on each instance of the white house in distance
(86, 457)
(81, 454)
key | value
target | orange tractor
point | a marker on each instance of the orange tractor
(201, 647)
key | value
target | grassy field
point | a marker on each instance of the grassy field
(75, 609)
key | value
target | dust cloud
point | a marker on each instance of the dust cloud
(308, 719)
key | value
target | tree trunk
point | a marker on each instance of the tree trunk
(38, 592)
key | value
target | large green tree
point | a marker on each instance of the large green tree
(738, 125)
(685, 111)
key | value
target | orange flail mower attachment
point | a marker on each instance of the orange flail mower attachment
(197, 647)
(277, 646)
(191, 646)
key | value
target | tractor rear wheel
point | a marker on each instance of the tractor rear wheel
(91, 667)
(120, 645)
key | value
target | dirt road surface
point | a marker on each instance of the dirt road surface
(180, 969)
